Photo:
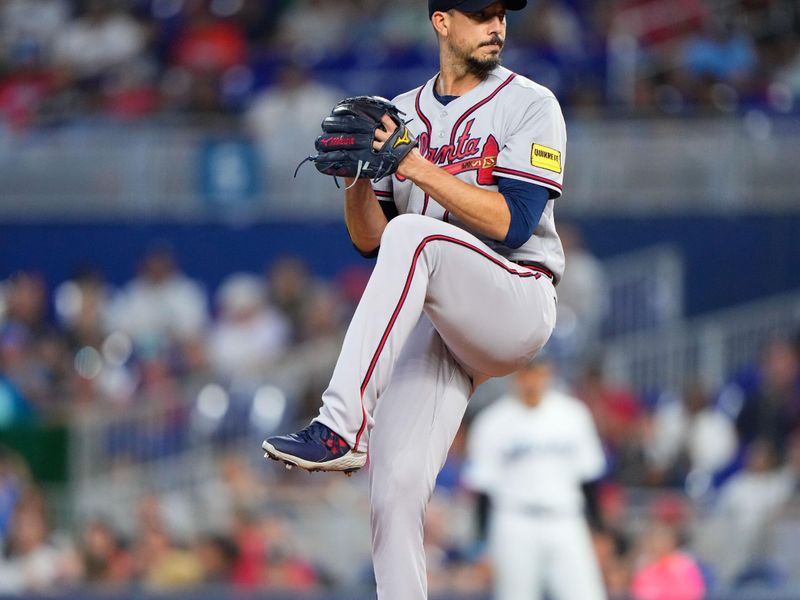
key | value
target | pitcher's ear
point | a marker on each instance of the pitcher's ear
(441, 23)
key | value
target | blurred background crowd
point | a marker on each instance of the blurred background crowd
(148, 343)
(133, 59)
(710, 469)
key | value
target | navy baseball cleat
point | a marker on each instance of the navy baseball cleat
(315, 448)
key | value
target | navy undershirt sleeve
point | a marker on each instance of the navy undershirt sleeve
(389, 209)
(527, 202)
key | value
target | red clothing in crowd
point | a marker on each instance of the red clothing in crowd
(21, 95)
(211, 46)
(673, 577)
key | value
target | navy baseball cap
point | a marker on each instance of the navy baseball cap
(471, 5)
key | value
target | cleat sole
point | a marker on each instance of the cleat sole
(348, 464)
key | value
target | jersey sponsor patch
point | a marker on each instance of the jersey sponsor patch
(546, 158)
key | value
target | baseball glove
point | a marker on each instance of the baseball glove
(345, 147)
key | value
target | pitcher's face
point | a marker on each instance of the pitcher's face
(477, 39)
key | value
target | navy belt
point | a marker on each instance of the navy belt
(538, 267)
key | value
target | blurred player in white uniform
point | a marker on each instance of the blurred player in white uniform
(532, 454)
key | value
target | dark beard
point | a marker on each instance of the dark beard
(481, 68)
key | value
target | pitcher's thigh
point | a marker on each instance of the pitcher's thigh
(492, 314)
(491, 320)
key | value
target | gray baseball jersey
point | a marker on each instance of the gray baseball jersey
(507, 126)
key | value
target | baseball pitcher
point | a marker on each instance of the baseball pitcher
(452, 186)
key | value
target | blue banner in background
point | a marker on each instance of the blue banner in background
(728, 260)
(228, 174)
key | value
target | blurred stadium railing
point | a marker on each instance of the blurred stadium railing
(707, 349)
(645, 289)
(95, 172)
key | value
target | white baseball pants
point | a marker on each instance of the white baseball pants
(441, 313)
(552, 554)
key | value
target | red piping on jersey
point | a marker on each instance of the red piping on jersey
(477, 106)
(529, 272)
(425, 204)
(382, 194)
(529, 176)
(422, 115)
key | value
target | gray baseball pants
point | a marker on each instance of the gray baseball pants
(441, 313)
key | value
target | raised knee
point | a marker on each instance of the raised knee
(405, 229)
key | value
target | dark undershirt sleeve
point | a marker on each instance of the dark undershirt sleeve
(389, 209)
(527, 202)
(590, 494)
(483, 507)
